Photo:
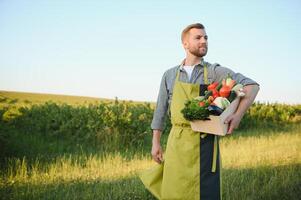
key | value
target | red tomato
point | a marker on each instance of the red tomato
(225, 91)
(202, 104)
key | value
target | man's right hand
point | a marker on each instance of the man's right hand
(157, 152)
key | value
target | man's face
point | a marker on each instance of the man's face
(196, 42)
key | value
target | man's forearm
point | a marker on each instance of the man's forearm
(245, 102)
(156, 135)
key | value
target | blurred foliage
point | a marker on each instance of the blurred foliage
(118, 125)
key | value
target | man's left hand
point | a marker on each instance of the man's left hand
(233, 121)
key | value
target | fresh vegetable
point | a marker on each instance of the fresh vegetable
(237, 87)
(192, 110)
(215, 93)
(228, 82)
(232, 96)
(210, 99)
(215, 110)
(202, 103)
(217, 97)
(212, 86)
(225, 91)
(218, 102)
(208, 93)
(219, 86)
(224, 82)
(221, 102)
(225, 103)
(200, 98)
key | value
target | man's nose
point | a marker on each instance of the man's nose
(203, 40)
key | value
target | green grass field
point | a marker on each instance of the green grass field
(256, 164)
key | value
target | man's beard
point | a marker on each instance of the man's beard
(197, 53)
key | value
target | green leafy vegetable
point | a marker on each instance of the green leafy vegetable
(193, 110)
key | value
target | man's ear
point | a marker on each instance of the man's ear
(185, 44)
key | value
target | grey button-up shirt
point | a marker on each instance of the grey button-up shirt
(216, 72)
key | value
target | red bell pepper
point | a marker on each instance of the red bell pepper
(212, 86)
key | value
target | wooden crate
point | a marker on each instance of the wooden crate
(216, 124)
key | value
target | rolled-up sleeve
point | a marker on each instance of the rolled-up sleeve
(161, 106)
(221, 72)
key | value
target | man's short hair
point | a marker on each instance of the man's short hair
(187, 29)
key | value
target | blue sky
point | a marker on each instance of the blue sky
(121, 48)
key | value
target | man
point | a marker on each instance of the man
(189, 169)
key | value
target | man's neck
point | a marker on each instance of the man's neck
(192, 60)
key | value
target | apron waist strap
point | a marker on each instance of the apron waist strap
(183, 125)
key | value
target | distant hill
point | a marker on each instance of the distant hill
(12, 97)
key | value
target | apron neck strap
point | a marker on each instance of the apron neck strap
(205, 75)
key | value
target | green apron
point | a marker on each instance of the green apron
(189, 169)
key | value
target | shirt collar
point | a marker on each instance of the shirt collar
(201, 63)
